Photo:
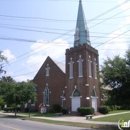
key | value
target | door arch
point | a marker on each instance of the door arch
(75, 100)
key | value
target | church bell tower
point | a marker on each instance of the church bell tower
(81, 69)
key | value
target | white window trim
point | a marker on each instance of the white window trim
(95, 69)
(71, 68)
(90, 67)
(80, 67)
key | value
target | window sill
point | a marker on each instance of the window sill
(71, 78)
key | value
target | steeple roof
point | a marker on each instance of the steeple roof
(81, 32)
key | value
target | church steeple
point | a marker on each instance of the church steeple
(81, 33)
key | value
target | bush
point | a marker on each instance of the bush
(64, 111)
(85, 111)
(56, 108)
(104, 109)
(26, 109)
(51, 111)
(9, 109)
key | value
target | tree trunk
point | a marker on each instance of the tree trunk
(15, 110)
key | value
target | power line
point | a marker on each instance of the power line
(112, 38)
(106, 12)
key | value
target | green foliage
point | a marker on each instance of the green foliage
(56, 107)
(51, 111)
(116, 74)
(64, 111)
(2, 59)
(11, 109)
(15, 93)
(85, 111)
(104, 109)
(1, 101)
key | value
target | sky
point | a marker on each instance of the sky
(31, 30)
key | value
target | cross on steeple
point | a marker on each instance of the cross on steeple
(81, 33)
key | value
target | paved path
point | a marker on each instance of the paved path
(75, 118)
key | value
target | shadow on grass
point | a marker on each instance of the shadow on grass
(12, 116)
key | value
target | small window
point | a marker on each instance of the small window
(47, 70)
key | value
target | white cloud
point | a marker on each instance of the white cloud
(7, 53)
(41, 49)
(23, 78)
(117, 46)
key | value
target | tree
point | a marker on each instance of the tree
(17, 93)
(116, 73)
(2, 59)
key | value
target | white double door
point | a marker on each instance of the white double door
(75, 103)
(94, 103)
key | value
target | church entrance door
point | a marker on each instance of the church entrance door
(75, 103)
(75, 100)
(94, 103)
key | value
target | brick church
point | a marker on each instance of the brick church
(78, 85)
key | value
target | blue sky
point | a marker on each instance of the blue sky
(34, 29)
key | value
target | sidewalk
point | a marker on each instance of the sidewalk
(77, 119)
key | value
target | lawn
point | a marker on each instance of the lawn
(37, 114)
(118, 111)
(114, 118)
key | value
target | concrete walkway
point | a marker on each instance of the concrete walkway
(74, 118)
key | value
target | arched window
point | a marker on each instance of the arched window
(80, 66)
(71, 68)
(90, 66)
(94, 93)
(46, 95)
(76, 93)
(95, 68)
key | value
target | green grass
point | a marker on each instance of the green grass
(114, 118)
(37, 114)
(118, 111)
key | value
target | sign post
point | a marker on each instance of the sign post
(29, 101)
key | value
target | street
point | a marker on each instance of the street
(17, 124)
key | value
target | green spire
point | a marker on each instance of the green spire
(81, 33)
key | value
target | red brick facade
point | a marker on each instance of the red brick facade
(58, 81)
(55, 81)
(85, 85)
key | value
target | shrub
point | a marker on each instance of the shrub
(104, 109)
(64, 111)
(26, 109)
(85, 111)
(9, 109)
(117, 107)
(56, 107)
(51, 111)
